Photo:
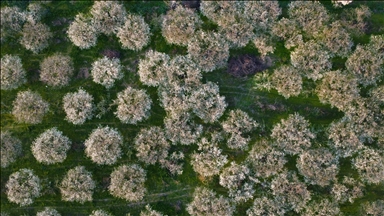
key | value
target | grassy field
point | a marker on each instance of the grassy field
(166, 193)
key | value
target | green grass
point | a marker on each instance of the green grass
(166, 193)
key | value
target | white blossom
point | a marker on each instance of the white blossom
(23, 187)
(29, 107)
(77, 185)
(78, 106)
(134, 34)
(105, 71)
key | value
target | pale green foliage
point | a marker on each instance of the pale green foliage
(287, 81)
(127, 182)
(51, 147)
(23, 187)
(12, 72)
(107, 16)
(311, 59)
(336, 40)
(150, 212)
(375, 208)
(338, 89)
(236, 179)
(237, 123)
(349, 190)
(48, 212)
(35, 36)
(265, 161)
(134, 34)
(56, 70)
(290, 192)
(106, 71)
(82, 33)
(209, 50)
(182, 129)
(370, 165)
(152, 69)
(78, 106)
(103, 145)
(265, 207)
(29, 107)
(10, 148)
(100, 213)
(324, 207)
(292, 134)
(206, 202)
(318, 166)
(133, 105)
(77, 185)
(179, 25)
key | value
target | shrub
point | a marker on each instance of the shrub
(48, 212)
(318, 166)
(134, 34)
(292, 134)
(207, 103)
(127, 182)
(105, 71)
(103, 145)
(12, 72)
(152, 69)
(51, 147)
(82, 33)
(77, 185)
(107, 16)
(29, 107)
(370, 165)
(35, 36)
(133, 105)
(311, 59)
(151, 145)
(150, 212)
(100, 213)
(56, 70)
(179, 25)
(206, 202)
(78, 106)
(209, 50)
(265, 206)
(10, 148)
(180, 128)
(23, 187)
(287, 81)
(324, 207)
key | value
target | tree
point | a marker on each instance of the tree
(292, 134)
(11, 19)
(324, 207)
(100, 213)
(209, 161)
(103, 145)
(35, 36)
(12, 72)
(336, 40)
(265, 206)
(370, 165)
(108, 16)
(179, 25)
(23, 187)
(151, 145)
(150, 212)
(290, 192)
(77, 185)
(174, 163)
(152, 69)
(209, 50)
(264, 44)
(318, 166)
(10, 148)
(51, 147)
(182, 71)
(287, 81)
(180, 128)
(311, 59)
(262, 14)
(134, 34)
(29, 107)
(206, 202)
(355, 20)
(133, 105)
(288, 30)
(349, 189)
(375, 208)
(237, 123)
(48, 212)
(264, 160)
(207, 103)
(56, 70)
(34, 12)
(127, 182)
(105, 71)
(82, 32)
(78, 106)
(236, 179)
